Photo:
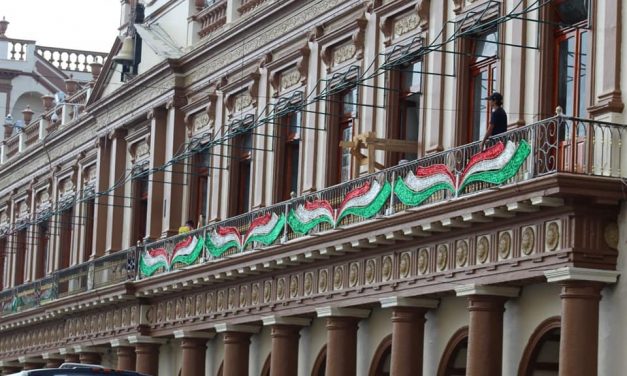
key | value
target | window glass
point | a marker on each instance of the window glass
(486, 47)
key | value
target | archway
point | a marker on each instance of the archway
(541, 355)
(381, 361)
(453, 362)
(320, 364)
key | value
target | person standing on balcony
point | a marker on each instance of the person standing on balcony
(189, 226)
(498, 118)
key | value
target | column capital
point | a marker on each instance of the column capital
(49, 355)
(222, 328)
(145, 339)
(398, 301)
(78, 349)
(342, 312)
(282, 320)
(182, 334)
(120, 343)
(67, 350)
(473, 289)
(571, 273)
(9, 364)
(30, 359)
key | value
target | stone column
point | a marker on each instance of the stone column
(125, 354)
(52, 360)
(236, 348)
(579, 341)
(158, 118)
(69, 355)
(8, 367)
(194, 348)
(408, 326)
(29, 363)
(115, 200)
(146, 354)
(342, 339)
(486, 305)
(173, 193)
(89, 354)
(285, 335)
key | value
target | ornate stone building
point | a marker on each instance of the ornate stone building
(346, 221)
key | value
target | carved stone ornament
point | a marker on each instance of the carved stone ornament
(461, 253)
(552, 236)
(505, 245)
(293, 286)
(280, 289)
(442, 256)
(370, 271)
(221, 301)
(308, 284)
(267, 291)
(323, 281)
(353, 274)
(404, 265)
(343, 53)
(405, 24)
(423, 260)
(337, 277)
(386, 268)
(254, 294)
(528, 240)
(209, 304)
(610, 234)
(232, 294)
(457, 5)
(483, 249)
(242, 296)
(289, 79)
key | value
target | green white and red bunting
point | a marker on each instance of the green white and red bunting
(305, 217)
(365, 201)
(415, 189)
(265, 229)
(153, 260)
(495, 165)
(187, 251)
(222, 240)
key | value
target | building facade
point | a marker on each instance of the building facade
(345, 220)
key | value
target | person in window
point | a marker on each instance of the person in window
(498, 118)
(189, 226)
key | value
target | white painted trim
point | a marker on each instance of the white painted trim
(119, 343)
(281, 320)
(180, 334)
(342, 312)
(221, 328)
(571, 273)
(473, 289)
(145, 339)
(398, 301)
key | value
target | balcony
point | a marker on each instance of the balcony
(559, 145)
(212, 18)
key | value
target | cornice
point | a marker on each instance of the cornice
(571, 273)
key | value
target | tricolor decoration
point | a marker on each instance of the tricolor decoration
(265, 229)
(308, 216)
(364, 201)
(495, 165)
(187, 251)
(415, 189)
(152, 260)
(222, 240)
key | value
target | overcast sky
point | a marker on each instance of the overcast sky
(76, 24)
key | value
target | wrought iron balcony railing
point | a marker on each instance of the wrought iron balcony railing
(559, 144)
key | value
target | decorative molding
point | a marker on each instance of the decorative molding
(222, 328)
(397, 301)
(473, 289)
(342, 312)
(281, 320)
(179, 334)
(571, 273)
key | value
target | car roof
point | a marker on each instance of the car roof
(85, 371)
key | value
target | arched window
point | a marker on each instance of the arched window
(265, 370)
(541, 356)
(453, 361)
(483, 81)
(382, 358)
(320, 365)
(220, 368)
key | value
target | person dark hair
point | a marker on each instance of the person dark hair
(190, 224)
(498, 118)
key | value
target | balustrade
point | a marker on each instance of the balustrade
(249, 5)
(559, 144)
(17, 49)
(212, 18)
(71, 60)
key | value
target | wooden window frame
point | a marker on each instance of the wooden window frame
(140, 207)
(288, 152)
(451, 350)
(491, 66)
(320, 363)
(43, 249)
(21, 237)
(340, 122)
(378, 359)
(536, 340)
(65, 227)
(199, 181)
(241, 172)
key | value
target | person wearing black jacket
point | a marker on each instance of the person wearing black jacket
(498, 118)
